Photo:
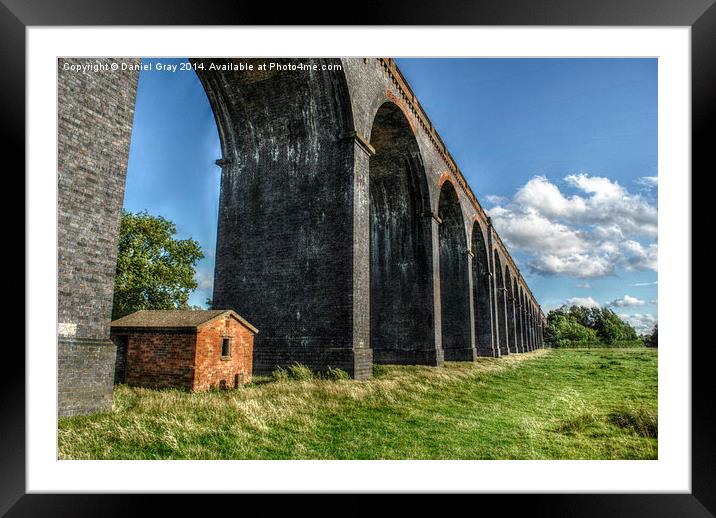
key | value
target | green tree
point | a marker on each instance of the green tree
(652, 339)
(564, 328)
(154, 270)
(568, 325)
(581, 314)
(611, 328)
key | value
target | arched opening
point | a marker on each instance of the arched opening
(171, 165)
(531, 327)
(521, 317)
(501, 308)
(539, 331)
(454, 278)
(401, 289)
(510, 299)
(528, 335)
(481, 293)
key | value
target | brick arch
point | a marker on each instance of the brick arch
(510, 309)
(402, 324)
(446, 176)
(521, 316)
(516, 316)
(532, 324)
(500, 304)
(482, 291)
(280, 160)
(241, 100)
(456, 325)
(400, 103)
(377, 101)
(526, 325)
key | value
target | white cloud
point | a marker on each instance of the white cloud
(638, 257)
(574, 265)
(493, 198)
(646, 283)
(602, 189)
(584, 235)
(534, 232)
(541, 196)
(626, 301)
(642, 323)
(585, 286)
(648, 181)
(587, 302)
(205, 280)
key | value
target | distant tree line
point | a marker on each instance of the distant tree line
(652, 339)
(578, 326)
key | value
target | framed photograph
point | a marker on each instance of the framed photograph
(372, 248)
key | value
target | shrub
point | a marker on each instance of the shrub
(564, 330)
(570, 344)
(337, 374)
(280, 374)
(652, 340)
(578, 326)
(300, 372)
(566, 343)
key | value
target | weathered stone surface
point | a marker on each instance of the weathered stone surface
(95, 112)
(332, 236)
(85, 369)
(401, 280)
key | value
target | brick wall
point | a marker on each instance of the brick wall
(95, 113)
(284, 253)
(86, 369)
(161, 358)
(214, 370)
(186, 358)
(94, 126)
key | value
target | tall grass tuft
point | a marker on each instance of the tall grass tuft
(300, 372)
(643, 421)
(280, 374)
(337, 374)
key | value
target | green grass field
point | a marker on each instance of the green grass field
(548, 404)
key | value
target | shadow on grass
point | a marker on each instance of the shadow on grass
(641, 420)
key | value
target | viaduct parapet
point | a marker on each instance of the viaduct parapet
(346, 232)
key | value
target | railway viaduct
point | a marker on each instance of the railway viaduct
(347, 233)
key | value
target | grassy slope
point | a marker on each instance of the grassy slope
(554, 404)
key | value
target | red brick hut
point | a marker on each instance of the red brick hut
(188, 349)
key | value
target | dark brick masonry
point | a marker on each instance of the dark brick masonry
(284, 254)
(337, 236)
(95, 112)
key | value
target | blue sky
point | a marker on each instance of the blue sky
(561, 152)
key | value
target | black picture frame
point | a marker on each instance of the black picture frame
(700, 15)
